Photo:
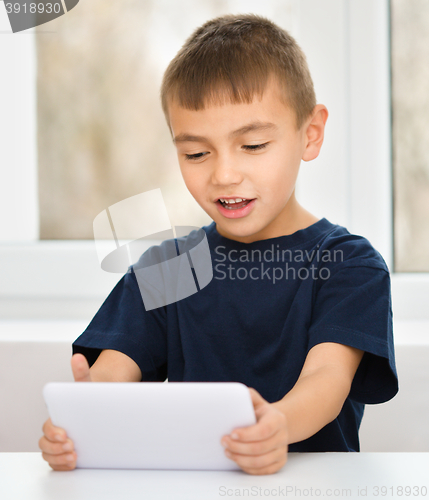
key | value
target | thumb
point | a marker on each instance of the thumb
(257, 400)
(80, 368)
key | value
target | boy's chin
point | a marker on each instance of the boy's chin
(236, 228)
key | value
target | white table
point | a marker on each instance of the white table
(26, 476)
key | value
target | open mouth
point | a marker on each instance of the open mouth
(234, 204)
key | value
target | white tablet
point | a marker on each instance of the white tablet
(150, 425)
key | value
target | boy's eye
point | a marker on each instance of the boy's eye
(194, 157)
(253, 147)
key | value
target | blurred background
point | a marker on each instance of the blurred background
(81, 128)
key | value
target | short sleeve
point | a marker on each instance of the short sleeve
(123, 324)
(353, 307)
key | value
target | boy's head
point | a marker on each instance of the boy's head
(232, 72)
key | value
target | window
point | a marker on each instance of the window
(410, 104)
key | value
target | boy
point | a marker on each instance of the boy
(298, 309)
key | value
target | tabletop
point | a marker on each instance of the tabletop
(26, 476)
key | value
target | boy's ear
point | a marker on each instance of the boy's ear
(314, 132)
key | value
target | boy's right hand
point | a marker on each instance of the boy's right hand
(56, 448)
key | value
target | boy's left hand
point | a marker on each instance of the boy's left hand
(260, 448)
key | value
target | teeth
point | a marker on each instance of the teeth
(232, 200)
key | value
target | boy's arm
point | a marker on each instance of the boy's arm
(315, 400)
(114, 366)
(319, 394)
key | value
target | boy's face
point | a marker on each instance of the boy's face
(225, 153)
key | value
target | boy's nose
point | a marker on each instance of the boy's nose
(226, 172)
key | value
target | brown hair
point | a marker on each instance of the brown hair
(237, 54)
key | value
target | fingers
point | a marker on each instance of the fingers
(256, 447)
(260, 448)
(261, 457)
(80, 368)
(269, 469)
(61, 462)
(53, 433)
(269, 423)
(51, 448)
(260, 463)
(56, 448)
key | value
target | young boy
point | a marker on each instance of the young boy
(298, 309)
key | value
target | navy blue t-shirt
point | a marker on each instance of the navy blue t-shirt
(268, 303)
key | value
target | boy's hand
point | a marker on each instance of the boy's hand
(260, 448)
(56, 448)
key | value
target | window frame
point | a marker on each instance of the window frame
(356, 158)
